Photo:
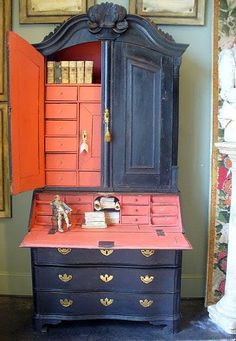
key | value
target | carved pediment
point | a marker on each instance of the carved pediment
(107, 16)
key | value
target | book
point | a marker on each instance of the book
(65, 71)
(88, 71)
(57, 72)
(80, 71)
(72, 72)
(112, 217)
(50, 72)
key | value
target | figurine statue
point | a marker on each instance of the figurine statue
(61, 212)
(227, 82)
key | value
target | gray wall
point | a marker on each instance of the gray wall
(194, 163)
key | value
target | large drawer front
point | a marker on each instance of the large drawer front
(106, 303)
(65, 256)
(164, 280)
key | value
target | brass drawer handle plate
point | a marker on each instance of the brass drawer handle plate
(65, 278)
(146, 303)
(106, 278)
(66, 303)
(106, 252)
(106, 301)
(146, 279)
(147, 253)
(64, 251)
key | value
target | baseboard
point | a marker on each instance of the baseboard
(15, 284)
(193, 285)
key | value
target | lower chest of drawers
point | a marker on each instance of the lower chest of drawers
(122, 284)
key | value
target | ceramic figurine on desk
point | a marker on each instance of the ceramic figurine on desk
(60, 212)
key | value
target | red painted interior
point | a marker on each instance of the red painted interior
(87, 51)
(136, 229)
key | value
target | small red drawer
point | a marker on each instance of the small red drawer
(167, 209)
(134, 219)
(61, 179)
(61, 161)
(90, 93)
(89, 179)
(80, 209)
(136, 199)
(67, 111)
(66, 144)
(54, 93)
(135, 210)
(164, 221)
(74, 199)
(165, 199)
(44, 219)
(60, 128)
(43, 209)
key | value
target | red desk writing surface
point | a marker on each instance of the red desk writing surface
(134, 231)
(27, 114)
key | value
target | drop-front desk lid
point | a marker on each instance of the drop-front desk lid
(145, 221)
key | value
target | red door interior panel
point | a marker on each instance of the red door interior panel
(27, 115)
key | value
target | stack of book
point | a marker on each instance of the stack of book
(94, 220)
(72, 72)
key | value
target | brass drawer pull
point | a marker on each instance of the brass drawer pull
(146, 279)
(106, 301)
(106, 252)
(146, 303)
(66, 303)
(147, 253)
(64, 251)
(65, 278)
(106, 278)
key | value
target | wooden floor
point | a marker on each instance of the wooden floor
(16, 313)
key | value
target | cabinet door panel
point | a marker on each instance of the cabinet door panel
(90, 121)
(141, 123)
(27, 114)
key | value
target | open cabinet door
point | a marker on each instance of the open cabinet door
(26, 66)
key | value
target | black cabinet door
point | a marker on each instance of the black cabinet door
(141, 109)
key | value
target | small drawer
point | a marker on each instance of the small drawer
(55, 93)
(90, 93)
(61, 161)
(135, 210)
(165, 199)
(43, 209)
(67, 111)
(43, 219)
(60, 128)
(81, 209)
(164, 221)
(167, 210)
(66, 144)
(134, 219)
(74, 199)
(136, 199)
(61, 179)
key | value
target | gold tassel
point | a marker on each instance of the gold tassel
(107, 136)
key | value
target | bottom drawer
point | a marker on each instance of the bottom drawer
(107, 303)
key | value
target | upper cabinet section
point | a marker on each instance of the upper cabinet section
(119, 133)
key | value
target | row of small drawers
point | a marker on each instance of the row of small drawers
(145, 258)
(73, 93)
(73, 178)
(107, 303)
(162, 280)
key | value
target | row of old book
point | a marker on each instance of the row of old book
(72, 72)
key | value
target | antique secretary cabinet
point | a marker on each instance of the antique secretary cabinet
(129, 114)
